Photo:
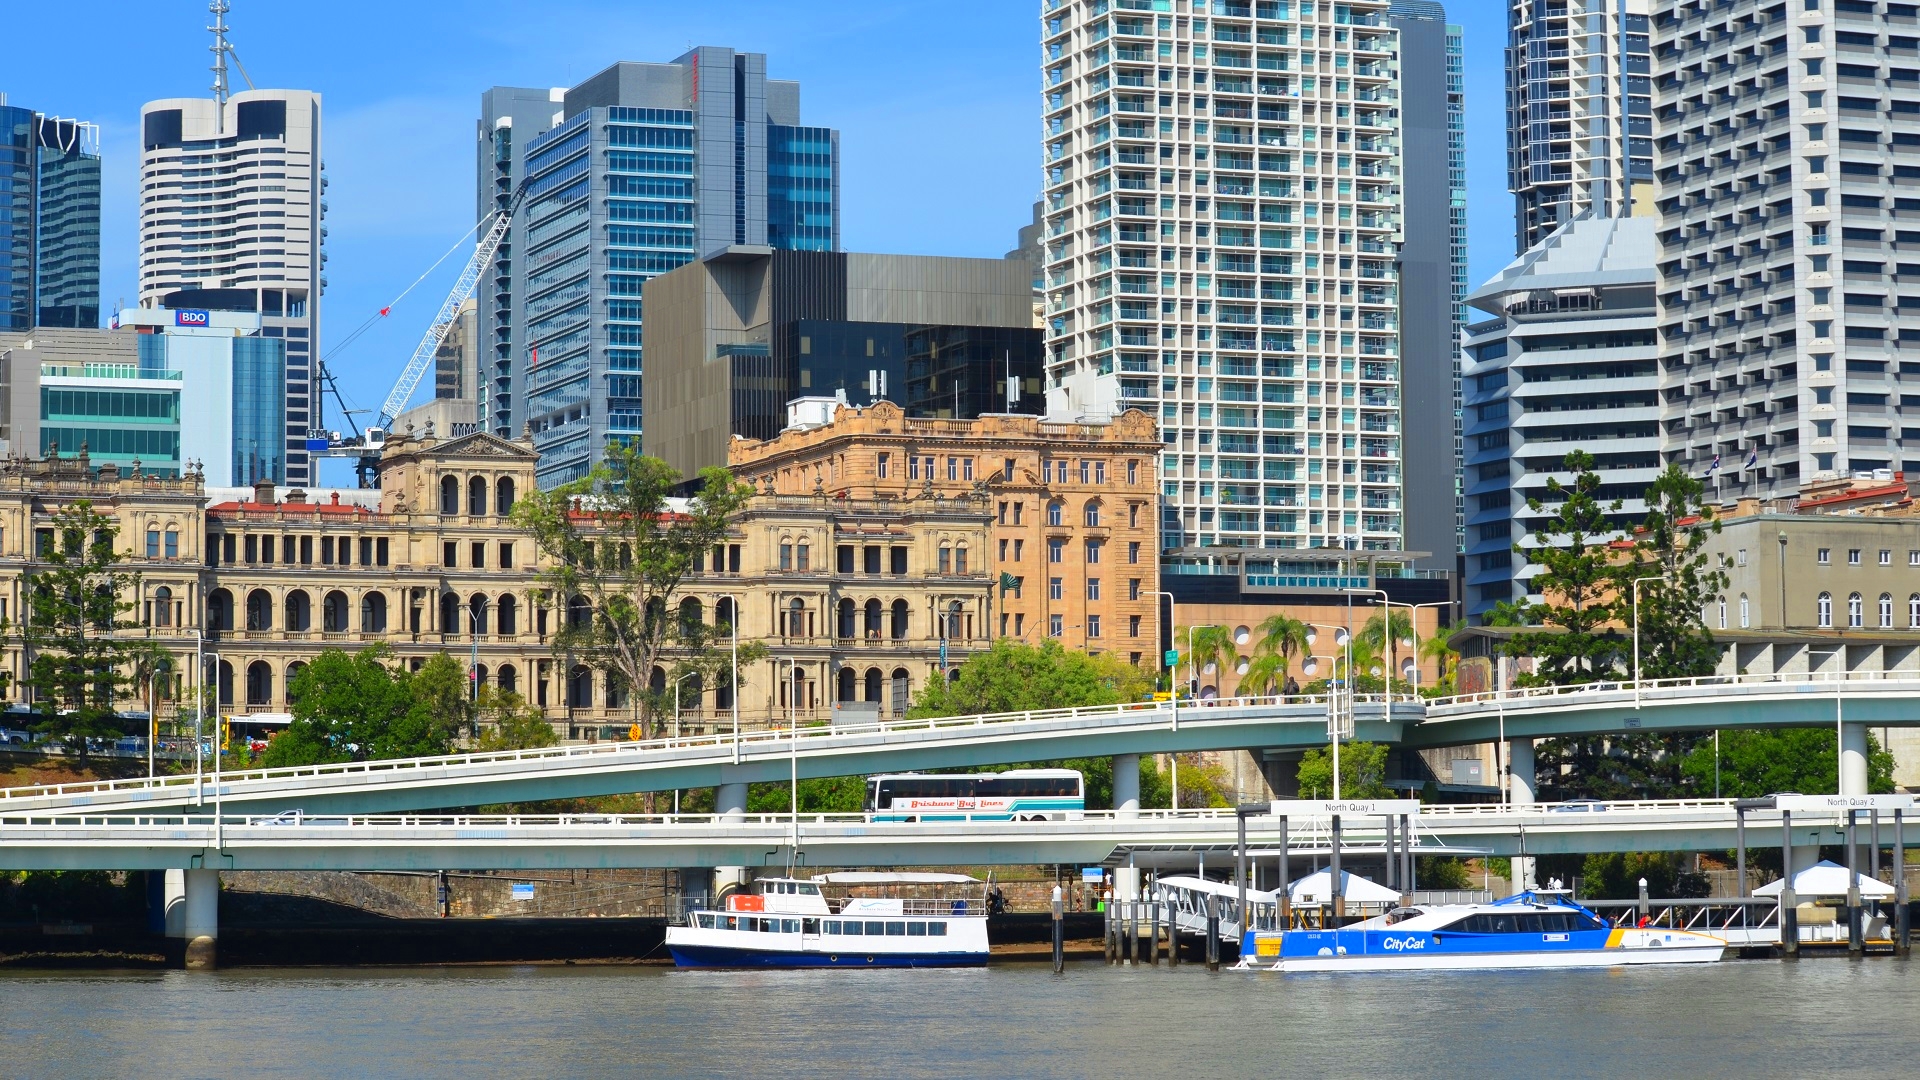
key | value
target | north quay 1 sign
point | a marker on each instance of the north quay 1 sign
(1353, 807)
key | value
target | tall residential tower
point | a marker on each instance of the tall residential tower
(49, 220)
(1222, 208)
(1579, 112)
(639, 169)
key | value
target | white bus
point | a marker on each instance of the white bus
(1016, 795)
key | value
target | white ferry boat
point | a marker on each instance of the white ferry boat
(847, 919)
(1536, 929)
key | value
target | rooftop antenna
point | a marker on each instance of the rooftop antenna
(221, 49)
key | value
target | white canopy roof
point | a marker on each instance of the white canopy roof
(1217, 888)
(1826, 879)
(1317, 888)
(868, 877)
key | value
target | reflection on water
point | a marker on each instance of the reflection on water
(1736, 1019)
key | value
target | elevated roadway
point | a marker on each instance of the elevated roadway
(1857, 701)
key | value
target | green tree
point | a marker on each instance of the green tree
(1010, 676)
(1207, 646)
(1282, 638)
(507, 722)
(1754, 763)
(619, 552)
(1671, 545)
(79, 665)
(1617, 875)
(352, 707)
(1363, 772)
(1445, 657)
(444, 690)
(1578, 582)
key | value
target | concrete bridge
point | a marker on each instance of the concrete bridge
(1516, 717)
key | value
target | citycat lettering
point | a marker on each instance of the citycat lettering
(1404, 944)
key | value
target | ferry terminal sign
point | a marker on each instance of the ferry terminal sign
(1344, 807)
(1836, 803)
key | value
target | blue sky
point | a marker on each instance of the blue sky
(938, 108)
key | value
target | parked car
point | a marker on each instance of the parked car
(1580, 806)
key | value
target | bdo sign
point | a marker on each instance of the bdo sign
(192, 317)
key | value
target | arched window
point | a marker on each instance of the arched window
(449, 495)
(1056, 513)
(333, 612)
(1913, 612)
(477, 496)
(1856, 614)
(1746, 619)
(480, 676)
(579, 613)
(476, 614)
(847, 683)
(173, 543)
(163, 606)
(503, 496)
(874, 679)
(873, 620)
(293, 672)
(1723, 613)
(449, 613)
(509, 678)
(900, 620)
(1886, 611)
(259, 683)
(902, 691)
(299, 611)
(693, 614)
(219, 610)
(845, 623)
(1826, 609)
(723, 613)
(803, 559)
(944, 562)
(223, 680)
(373, 613)
(507, 622)
(960, 558)
(796, 621)
(1092, 513)
(580, 687)
(259, 610)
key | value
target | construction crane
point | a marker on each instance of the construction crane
(366, 446)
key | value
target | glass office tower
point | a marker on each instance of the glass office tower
(638, 170)
(49, 221)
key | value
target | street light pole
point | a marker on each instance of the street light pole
(1193, 672)
(793, 752)
(1343, 637)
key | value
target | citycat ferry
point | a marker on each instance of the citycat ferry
(1536, 929)
(847, 919)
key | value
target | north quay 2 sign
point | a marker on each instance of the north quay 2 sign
(1820, 803)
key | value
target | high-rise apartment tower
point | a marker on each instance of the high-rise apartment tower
(1221, 187)
(49, 220)
(231, 205)
(645, 168)
(1787, 151)
(1579, 112)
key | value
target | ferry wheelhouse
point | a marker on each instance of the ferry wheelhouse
(848, 919)
(1536, 929)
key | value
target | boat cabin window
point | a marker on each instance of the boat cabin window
(1525, 922)
(936, 929)
(1403, 914)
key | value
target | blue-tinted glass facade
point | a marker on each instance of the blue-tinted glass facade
(259, 423)
(803, 174)
(49, 221)
(623, 189)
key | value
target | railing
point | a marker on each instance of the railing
(767, 739)
(1627, 686)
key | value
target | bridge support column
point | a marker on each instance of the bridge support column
(1126, 785)
(730, 802)
(173, 900)
(1520, 791)
(1853, 759)
(201, 921)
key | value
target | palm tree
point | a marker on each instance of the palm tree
(1444, 656)
(1208, 646)
(1386, 634)
(1266, 675)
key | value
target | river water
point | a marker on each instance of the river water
(1736, 1019)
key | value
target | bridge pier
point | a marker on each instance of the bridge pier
(1853, 759)
(201, 918)
(730, 802)
(1520, 792)
(1126, 785)
(173, 902)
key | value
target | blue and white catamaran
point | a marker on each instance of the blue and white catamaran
(1535, 929)
(848, 919)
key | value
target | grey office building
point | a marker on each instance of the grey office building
(640, 169)
(1433, 273)
(49, 220)
(736, 336)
